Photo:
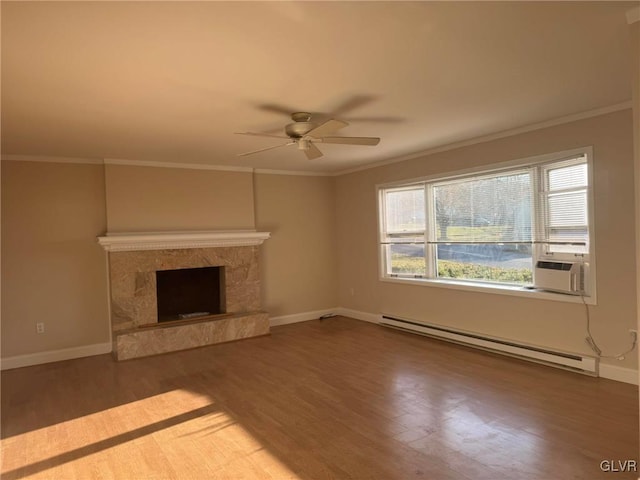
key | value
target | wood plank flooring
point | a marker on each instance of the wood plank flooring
(328, 399)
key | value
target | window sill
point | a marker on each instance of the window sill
(513, 291)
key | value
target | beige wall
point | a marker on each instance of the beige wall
(542, 322)
(53, 270)
(297, 263)
(148, 199)
(298, 268)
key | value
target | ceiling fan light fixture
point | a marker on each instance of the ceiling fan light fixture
(303, 144)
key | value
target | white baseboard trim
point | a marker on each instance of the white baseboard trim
(619, 374)
(611, 372)
(364, 316)
(301, 317)
(54, 356)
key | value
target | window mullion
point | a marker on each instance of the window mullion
(538, 214)
(430, 233)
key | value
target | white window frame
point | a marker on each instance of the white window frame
(542, 207)
(538, 164)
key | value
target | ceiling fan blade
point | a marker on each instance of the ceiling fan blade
(375, 119)
(329, 126)
(273, 108)
(265, 149)
(356, 101)
(312, 152)
(352, 140)
(261, 134)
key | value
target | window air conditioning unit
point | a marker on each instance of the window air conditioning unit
(563, 277)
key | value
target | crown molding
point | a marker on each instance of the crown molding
(633, 15)
(50, 159)
(154, 164)
(265, 171)
(494, 136)
(187, 166)
(121, 242)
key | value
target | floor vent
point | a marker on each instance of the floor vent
(569, 361)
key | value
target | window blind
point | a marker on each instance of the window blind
(563, 207)
(486, 209)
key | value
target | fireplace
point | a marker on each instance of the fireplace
(189, 293)
(210, 279)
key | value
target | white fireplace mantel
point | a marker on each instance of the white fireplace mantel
(120, 242)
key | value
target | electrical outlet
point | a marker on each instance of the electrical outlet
(40, 327)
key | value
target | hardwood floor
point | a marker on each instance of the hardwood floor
(333, 399)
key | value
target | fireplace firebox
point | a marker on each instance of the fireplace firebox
(190, 293)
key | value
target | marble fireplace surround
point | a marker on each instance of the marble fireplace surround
(133, 262)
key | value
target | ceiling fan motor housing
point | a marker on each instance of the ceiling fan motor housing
(299, 129)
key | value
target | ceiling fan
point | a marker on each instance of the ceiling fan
(305, 134)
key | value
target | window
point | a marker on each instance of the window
(491, 227)
(564, 200)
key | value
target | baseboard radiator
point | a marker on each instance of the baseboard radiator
(569, 361)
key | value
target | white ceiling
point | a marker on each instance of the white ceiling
(173, 81)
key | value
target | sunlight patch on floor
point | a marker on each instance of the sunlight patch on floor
(151, 438)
